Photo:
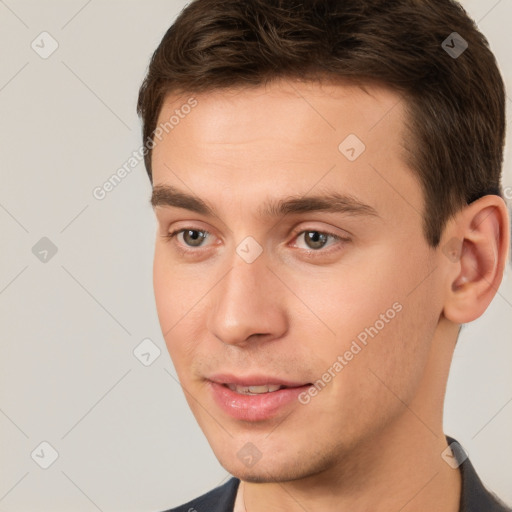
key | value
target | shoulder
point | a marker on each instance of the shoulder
(220, 499)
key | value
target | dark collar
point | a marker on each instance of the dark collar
(474, 496)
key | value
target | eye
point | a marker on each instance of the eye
(316, 240)
(190, 237)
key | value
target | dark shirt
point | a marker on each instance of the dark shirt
(474, 496)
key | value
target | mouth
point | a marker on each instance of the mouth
(256, 398)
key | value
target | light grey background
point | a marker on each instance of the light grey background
(125, 438)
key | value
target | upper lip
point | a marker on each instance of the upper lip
(254, 380)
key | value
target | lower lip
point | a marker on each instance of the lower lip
(254, 407)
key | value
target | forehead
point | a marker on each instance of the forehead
(288, 109)
(287, 137)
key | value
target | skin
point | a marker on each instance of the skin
(372, 438)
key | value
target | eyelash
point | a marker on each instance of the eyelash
(309, 252)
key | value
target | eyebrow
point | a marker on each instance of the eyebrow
(167, 195)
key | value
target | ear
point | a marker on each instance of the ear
(473, 255)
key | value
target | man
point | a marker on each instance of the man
(326, 182)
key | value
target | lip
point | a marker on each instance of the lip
(254, 408)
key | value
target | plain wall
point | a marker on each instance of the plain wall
(125, 438)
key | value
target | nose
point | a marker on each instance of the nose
(249, 305)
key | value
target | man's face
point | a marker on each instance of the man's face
(249, 295)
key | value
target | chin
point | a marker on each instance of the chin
(266, 477)
(278, 471)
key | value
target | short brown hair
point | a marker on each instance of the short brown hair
(455, 105)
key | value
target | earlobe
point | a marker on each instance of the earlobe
(474, 276)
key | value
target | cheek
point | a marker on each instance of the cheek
(180, 302)
(185, 296)
(344, 302)
(162, 287)
(379, 318)
(373, 379)
(176, 293)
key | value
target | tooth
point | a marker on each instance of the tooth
(258, 389)
(254, 390)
